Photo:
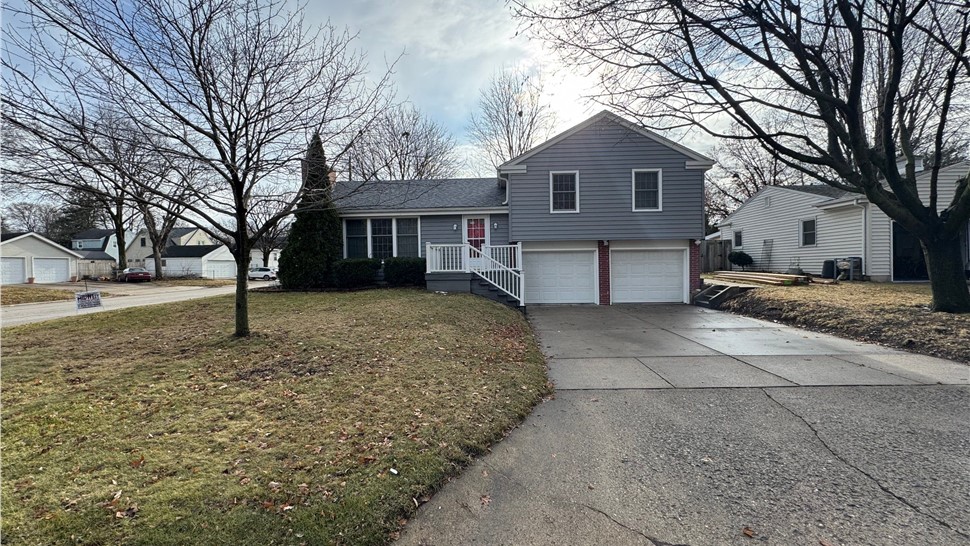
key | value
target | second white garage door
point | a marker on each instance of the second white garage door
(560, 276)
(647, 276)
(52, 270)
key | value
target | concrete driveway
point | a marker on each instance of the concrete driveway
(680, 425)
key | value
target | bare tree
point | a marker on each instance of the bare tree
(34, 166)
(404, 144)
(28, 216)
(860, 83)
(742, 167)
(237, 86)
(512, 117)
(265, 208)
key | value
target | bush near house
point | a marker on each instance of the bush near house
(405, 271)
(740, 258)
(356, 272)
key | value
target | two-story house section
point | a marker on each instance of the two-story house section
(606, 212)
(103, 240)
(140, 248)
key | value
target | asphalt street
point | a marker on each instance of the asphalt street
(675, 425)
(122, 296)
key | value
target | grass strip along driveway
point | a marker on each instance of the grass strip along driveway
(329, 425)
(895, 315)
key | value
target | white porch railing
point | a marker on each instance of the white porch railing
(500, 265)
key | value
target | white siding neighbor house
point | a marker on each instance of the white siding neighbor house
(27, 257)
(206, 261)
(785, 226)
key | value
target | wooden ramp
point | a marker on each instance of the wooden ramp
(755, 277)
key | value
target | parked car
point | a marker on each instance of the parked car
(134, 274)
(264, 273)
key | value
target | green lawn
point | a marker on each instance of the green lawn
(153, 425)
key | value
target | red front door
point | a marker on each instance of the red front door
(475, 232)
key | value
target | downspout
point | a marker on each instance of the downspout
(865, 236)
(506, 202)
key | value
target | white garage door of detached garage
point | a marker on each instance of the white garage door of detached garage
(220, 269)
(562, 276)
(52, 270)
(12, 271)
(647, 276)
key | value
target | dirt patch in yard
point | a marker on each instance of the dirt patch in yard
(894, 315)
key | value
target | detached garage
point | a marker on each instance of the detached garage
(29, 257)
(206, 261)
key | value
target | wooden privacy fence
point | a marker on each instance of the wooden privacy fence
(714, 255)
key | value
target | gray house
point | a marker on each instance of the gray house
(606, 212)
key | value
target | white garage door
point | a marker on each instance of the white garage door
(12, 271)
(52, 270)
(220, 269)
(560, 277)
(647, 276)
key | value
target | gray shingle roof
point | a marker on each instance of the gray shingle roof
(95, 255)
(12, 235)
(419, 194)
(819, 189)
(96, 233)
(189, 251)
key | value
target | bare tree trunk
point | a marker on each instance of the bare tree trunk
(266, 253)
(944, 263)
(157, 254)
(242, 292)
(118, 219)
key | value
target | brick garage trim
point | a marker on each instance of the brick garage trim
(603, 252)
(695, 265)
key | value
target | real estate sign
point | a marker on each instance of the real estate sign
(87, 300)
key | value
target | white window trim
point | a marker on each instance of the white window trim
(660, 189)
(488, 227)
(734, 237)
(553, 173)
(801, 232)
(370, 243)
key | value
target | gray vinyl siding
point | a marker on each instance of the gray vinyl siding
(500, 235)
(440, 230)
(838, 231)
(605, 155)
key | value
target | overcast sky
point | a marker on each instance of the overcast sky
(450, 50)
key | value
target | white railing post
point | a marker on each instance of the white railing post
(518, 256)
(427, 258)
(521, 282)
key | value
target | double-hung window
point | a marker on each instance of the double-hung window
(808, 232)
(382, 238)
(738, 239)
(407, 237)
(647, 188)
(564, 191)
(356, 232)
